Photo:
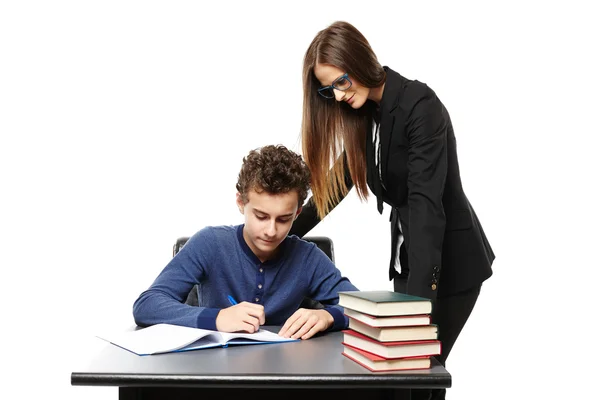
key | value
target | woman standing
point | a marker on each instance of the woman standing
(394, 136)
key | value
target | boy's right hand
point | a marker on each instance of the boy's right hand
(245, 317)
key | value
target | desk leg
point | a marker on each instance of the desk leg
(130, 393)
(395, 394)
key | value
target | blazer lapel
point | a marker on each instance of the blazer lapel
(385, 135)
(392, 94)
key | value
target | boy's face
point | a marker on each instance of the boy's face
(268, 219)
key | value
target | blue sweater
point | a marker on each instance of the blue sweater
(221, 263)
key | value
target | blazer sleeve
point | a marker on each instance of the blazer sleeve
(427, 124)
(308, 217)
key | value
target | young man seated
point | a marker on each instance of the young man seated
(266, 271)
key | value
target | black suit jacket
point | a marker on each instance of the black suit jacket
(445, 250)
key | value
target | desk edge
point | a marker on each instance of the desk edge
(262, 381)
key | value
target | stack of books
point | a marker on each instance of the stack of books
(389, 331)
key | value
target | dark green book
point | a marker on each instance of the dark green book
(381, 303)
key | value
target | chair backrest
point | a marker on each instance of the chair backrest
(323, 242)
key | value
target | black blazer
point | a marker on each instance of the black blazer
(445, 250)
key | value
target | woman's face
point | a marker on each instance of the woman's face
(356, 95)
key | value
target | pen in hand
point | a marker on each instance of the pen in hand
(244, 317)
(232, 300)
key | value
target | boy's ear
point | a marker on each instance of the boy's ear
(239, 202)
(298, 212)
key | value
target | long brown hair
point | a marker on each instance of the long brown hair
(330, 127)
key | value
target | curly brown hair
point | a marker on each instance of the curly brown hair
(276, 170)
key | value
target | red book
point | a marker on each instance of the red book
(378, 364)
(416, 348)
(395, 333)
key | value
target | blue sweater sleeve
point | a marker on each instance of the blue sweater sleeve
(163, 302)
(325, 283)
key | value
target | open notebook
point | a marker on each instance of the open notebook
(167, 338)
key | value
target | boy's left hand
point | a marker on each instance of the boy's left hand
(305, 323)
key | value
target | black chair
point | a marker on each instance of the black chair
(324, 243)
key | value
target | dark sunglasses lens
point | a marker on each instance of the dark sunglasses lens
(343, 84)
(327, 93)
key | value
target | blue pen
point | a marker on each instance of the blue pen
(232, 300)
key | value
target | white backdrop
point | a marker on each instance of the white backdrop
(123, 125)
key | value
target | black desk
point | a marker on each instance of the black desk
(255, 371)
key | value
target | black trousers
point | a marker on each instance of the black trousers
(450, 313)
